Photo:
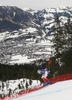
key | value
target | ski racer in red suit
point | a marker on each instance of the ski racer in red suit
(44, 73)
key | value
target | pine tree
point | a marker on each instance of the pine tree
(10, 91)
(30, 81)
(58, 40)
(26, 85)
(19, 86)
(2, 85)
(67, 54)
(68, 28)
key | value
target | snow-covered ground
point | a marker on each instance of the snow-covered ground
(21, 59)
(15, 86)
(58, 91)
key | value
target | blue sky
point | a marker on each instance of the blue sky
(36, 4)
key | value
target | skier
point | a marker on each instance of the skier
(44, 73)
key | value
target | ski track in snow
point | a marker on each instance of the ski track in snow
(49, 90)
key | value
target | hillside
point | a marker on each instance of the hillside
(25, 35)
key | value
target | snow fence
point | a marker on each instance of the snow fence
(61, 77)
(53, 79)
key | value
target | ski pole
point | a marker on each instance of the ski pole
(48, 63)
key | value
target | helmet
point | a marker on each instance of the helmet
(38, 71)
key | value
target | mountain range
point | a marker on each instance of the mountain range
(25, 34)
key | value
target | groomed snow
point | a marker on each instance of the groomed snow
(57, 91)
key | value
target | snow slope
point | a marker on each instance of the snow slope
(58, 91)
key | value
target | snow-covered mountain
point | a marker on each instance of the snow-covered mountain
(46, 17)
(25, 35)
(13, 18)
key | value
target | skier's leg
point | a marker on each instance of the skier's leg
(45, 83)
(46, 79)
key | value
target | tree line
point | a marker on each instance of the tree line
(9, 72)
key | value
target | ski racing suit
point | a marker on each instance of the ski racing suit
(45, 73)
